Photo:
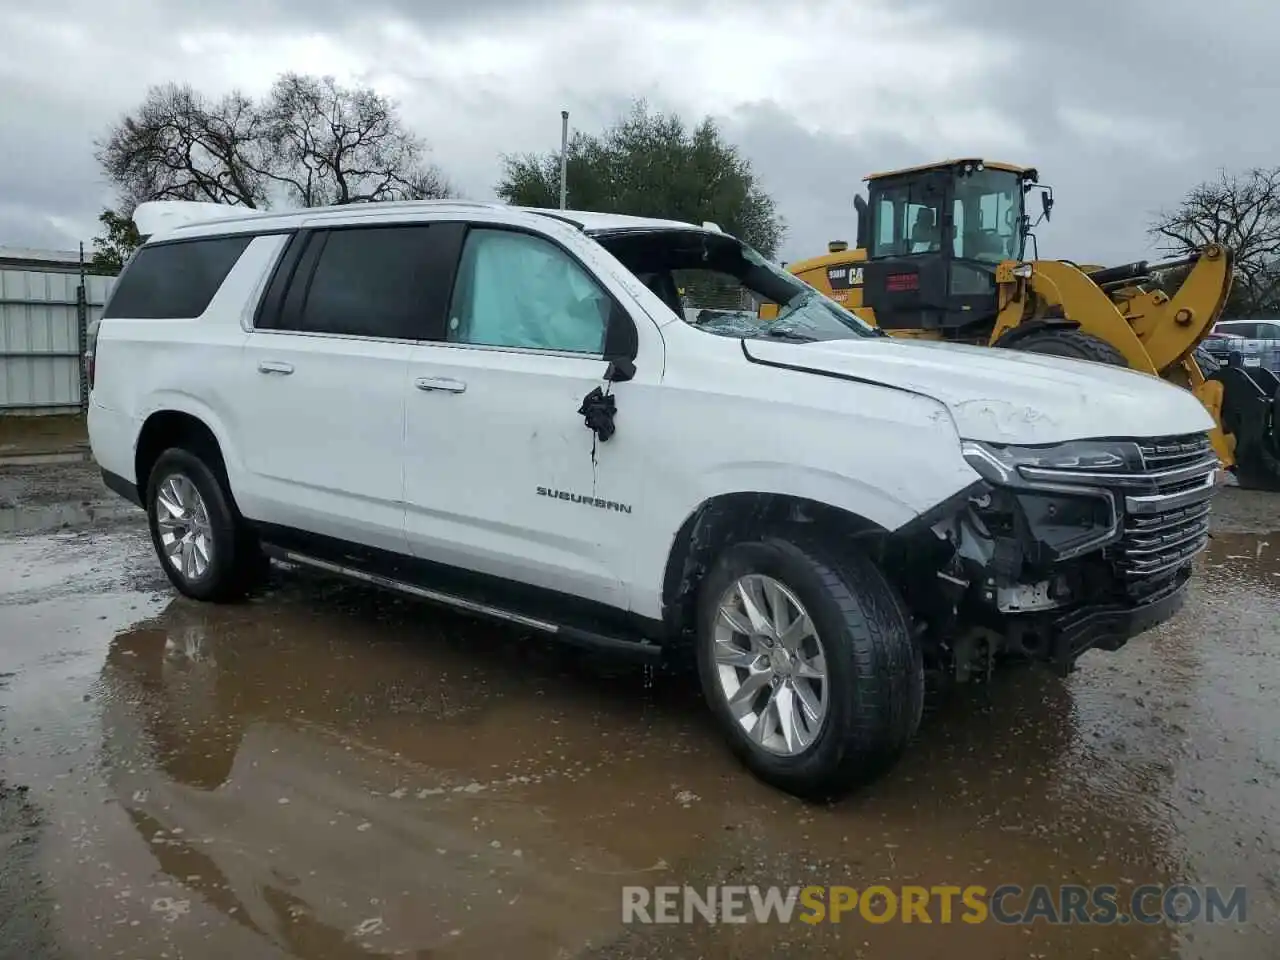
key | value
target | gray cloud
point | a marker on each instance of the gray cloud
(1123, 105)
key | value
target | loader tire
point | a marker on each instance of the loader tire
(1259, 468)
(1073, 344)
(1259, 472)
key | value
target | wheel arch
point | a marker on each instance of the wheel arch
(178, 426)
(730, 517)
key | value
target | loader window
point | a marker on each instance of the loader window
(988, 216)
(884, 229)
(908, 220)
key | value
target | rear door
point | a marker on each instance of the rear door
(323, 377)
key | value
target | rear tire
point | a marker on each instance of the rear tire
(873, 692)
(1070, 343)
(207, 551)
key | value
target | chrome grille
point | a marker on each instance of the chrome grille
(1168, 524)
(1169, 452)
(1163, 506)
(1157, 542)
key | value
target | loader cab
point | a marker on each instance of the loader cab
(934, 236)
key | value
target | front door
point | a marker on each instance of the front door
(502, 475)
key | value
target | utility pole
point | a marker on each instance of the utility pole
(564, 156)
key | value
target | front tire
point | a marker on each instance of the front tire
(808, 664)
(206, 551)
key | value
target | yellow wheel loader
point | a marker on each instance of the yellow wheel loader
(941, 254)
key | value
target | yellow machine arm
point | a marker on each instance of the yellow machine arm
(1155, 332)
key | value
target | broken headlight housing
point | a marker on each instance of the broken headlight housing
(1058, 495)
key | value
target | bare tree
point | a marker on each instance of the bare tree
(1243, 213)
(333, 144)
(180, 145)
(310, 142)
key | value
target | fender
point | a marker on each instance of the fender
(881, 507)
(877, 509)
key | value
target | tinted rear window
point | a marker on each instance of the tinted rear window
(375, 281)
(175, 280)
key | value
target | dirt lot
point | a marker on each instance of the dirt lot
(331, 772)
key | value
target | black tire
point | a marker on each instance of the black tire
(237, 563)
(874, 666)
(1259, 468)
(1070, 343)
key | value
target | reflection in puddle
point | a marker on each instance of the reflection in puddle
(1251, 559)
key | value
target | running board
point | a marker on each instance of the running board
(573, 635)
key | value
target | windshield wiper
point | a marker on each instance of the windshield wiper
(788, 335)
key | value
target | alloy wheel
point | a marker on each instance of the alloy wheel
(186, 536)
(771, 665)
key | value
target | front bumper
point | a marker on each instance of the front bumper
(1111, 626)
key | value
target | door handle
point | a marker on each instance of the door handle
(275, 366)
(445, 384)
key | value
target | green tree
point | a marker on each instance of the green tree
(652, 164)
(113, 248)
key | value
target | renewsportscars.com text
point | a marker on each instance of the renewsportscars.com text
(973, 904)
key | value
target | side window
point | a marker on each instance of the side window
(1268, 331)
(884, 233)
(174, 280)
(517, 290)
(370, 282)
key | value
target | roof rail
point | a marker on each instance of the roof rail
(577, 225)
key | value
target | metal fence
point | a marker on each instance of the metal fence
(46, 306)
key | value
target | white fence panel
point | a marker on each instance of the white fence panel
(42, 330)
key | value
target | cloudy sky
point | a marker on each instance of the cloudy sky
(1123, 105)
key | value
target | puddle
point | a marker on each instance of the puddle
(38, 518)
(333, 771)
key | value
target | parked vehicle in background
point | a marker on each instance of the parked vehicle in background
(1256, 340)
(503, 410)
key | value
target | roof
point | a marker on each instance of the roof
(943, 164)
(162, 216)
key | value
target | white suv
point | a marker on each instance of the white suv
(505, 411)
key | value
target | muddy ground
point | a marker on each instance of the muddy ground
(331, 772)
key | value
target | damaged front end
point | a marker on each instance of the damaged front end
(1058, 550)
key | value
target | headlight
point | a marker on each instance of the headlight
(1006, 464)
(1067, 514)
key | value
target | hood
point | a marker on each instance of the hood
(1005, 396)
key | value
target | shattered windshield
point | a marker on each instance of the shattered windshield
(721, 285)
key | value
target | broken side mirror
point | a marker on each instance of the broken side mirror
(620, 370)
